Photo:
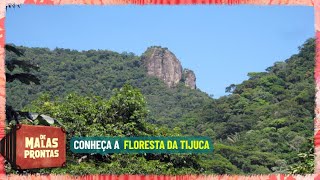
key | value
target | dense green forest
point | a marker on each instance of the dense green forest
(264, 125)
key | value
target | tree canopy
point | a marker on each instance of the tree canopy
(264, 125)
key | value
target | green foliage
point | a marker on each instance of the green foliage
(123, 114)
(24, 76)
(26, 67)
(261, 127)
(305, 165)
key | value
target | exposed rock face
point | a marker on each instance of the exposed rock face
(163, 64)
(190, 78)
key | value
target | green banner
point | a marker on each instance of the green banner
(104, 145)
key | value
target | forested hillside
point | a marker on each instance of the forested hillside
(63, 71)
(261, 127)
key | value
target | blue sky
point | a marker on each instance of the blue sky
(221, 44)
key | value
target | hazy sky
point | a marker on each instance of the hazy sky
(221, 44)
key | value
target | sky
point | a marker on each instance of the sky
(221, 44)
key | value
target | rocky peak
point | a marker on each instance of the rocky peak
(189, 78)
(163, 64)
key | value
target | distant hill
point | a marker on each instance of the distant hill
(259, 128)
(169, 90)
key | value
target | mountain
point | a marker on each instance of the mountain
(163, 64)
(271, 113)
(169, 89)
(259, 128)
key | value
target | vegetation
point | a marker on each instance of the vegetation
(122, 115)
(262, 126)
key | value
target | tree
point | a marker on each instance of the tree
(25, 77)
(306, 161)
(123, 114)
